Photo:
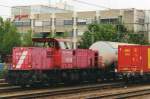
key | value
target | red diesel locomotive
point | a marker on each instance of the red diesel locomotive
(51, 61)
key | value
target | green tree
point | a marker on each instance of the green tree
(27, 39)
(9, 38)
(97, 32)
(65, 34)
(61, 35)
(1, 33)
(137, 39)
(107, 32)
(86, 40)
(50, 35)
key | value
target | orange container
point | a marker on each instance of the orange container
(134, 59)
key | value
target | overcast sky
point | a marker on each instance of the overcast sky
(118, 4)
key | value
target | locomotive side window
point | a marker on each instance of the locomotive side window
(46, 44)
(51, 43)
(64, 45)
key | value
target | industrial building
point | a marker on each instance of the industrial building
(58, 21)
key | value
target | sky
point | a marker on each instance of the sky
(114, 4)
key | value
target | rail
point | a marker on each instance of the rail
(124, 93)
(59, 91)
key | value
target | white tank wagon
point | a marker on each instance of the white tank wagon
(108, 52)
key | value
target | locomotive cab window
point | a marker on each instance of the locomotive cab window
(51, 43)
(46, 44)
(64, 45)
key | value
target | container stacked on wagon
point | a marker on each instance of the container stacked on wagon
(134, 60)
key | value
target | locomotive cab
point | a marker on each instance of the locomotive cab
(51, 43)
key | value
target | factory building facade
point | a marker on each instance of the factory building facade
(75, 23)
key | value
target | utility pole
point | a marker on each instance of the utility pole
(147, 25)
(98, 17)
(147, 29)
(74, 29)
(32, 24)
(53, 23)
(92, 35)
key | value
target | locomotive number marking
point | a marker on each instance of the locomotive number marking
(22, 58)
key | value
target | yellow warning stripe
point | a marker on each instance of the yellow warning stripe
(148, 58)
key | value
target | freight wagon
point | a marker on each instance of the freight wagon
(134, 60)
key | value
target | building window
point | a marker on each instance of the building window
(38, 23)
(141, 21)
(26, 23)
(89, 21)
(46, 23)
(59, 22)
(81, 22)
(85, 21)
(68, 22)
(22, 23)
(109, 21)
(17, 23)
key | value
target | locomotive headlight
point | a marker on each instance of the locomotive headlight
(116, 70)
(14, 66)
(29, 66)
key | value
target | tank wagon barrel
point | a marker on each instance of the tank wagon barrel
(108, 52)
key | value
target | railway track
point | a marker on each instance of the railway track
(111, 93)
(4, 84)
(2, 80)
(132, 91)
(10, 89)
(125, 93)
(128, 94)
(5, 87)
(93, 91)
(34, 93)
